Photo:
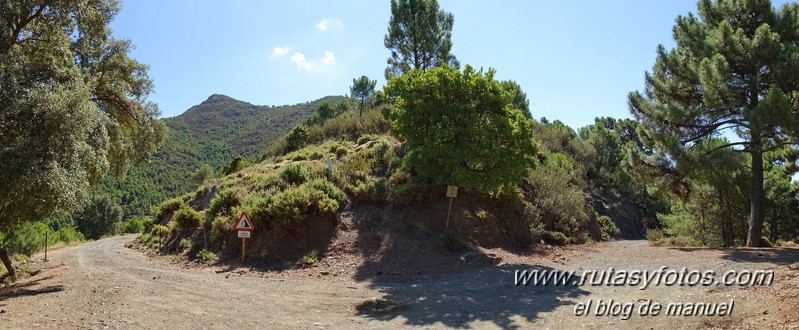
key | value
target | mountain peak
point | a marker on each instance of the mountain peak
(215, 98)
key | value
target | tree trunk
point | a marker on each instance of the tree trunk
(7, 262)
(756, 207)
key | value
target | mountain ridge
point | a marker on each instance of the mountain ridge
(212, 132)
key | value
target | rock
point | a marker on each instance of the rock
(324, 272)
(475, 258)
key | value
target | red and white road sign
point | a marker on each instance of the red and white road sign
(244, 223)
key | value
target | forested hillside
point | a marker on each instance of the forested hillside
(213, 133)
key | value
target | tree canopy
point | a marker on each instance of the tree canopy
(462, 128)
(419, 37)
(735, 68)
(361, 89)
(73, 105)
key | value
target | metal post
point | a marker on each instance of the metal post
(46, 243)
(448, 212)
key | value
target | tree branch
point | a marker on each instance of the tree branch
(23, 23)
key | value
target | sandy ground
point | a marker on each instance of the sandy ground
(104, 284)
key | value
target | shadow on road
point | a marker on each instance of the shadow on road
(476, 294)
(779, 256)
(25, 289)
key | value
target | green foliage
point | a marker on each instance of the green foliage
(160, 231)
(187, 219)
(289, 208)
(726, 74)
(167, 209)
(609, 228)
(311, 258)
(361, 89)
(29, 238)
(297, 138)
(73, 105)
(654, 235)
(235, 165)
(136, 225)
(419, 37)
(295, 173)
(204, 173)
(461, 128)
(206, 255)
(184, 244)
(555, 238)
(518, 97)
(99, 217)
(558, 195)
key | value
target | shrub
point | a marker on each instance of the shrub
(310, 258)
(341, 152)
(453, 242)
(290, 207)
(184, 244)
(654, 235)
(133, 225)
(371, 191)
(160, 230)
(609, 228)
(187, 219)
(295, 173)
(67, 235)
(329, 189)
(224, 202)
(205, 255)
(167, 208)
(766, 242)
(26, 239)
(555, 238)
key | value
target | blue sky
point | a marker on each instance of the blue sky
(576, 60)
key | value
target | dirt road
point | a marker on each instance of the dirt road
(103, 284)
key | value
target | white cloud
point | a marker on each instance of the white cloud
(279, 51)
(299, 59)
(329, 24)
(319, 64)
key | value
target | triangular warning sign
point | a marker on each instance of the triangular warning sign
(244, 223)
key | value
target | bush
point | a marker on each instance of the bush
(224, 202)
(167, 208)
(765, 242)
(453, 242)
(555, 238)
(187, 219)
(133, 225)
(67, 235)
(310, 258)
(99, 217)
(329, 189)
(290, 207)
(205, 255)
(184, 244)
(654, 235)
(26, 239)
(160, 230)
(371, 191)
(609, 228)
(295, 173)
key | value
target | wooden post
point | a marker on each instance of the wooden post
(243, 249)
(448, 212)
(46, 243)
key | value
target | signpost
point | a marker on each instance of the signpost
(329, 168)
(244, 227)
(452, 192)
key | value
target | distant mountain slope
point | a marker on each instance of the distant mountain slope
(212, 132)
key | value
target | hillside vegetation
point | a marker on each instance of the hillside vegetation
(212, 133)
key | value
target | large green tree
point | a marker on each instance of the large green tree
(361, 89)
(735, 68)
(73, 105)
(462, 128)
(99, 217)
(419, 37)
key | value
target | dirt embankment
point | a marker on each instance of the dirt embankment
(103, 284)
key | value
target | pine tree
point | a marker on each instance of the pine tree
(419, 37)
(735, 69)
